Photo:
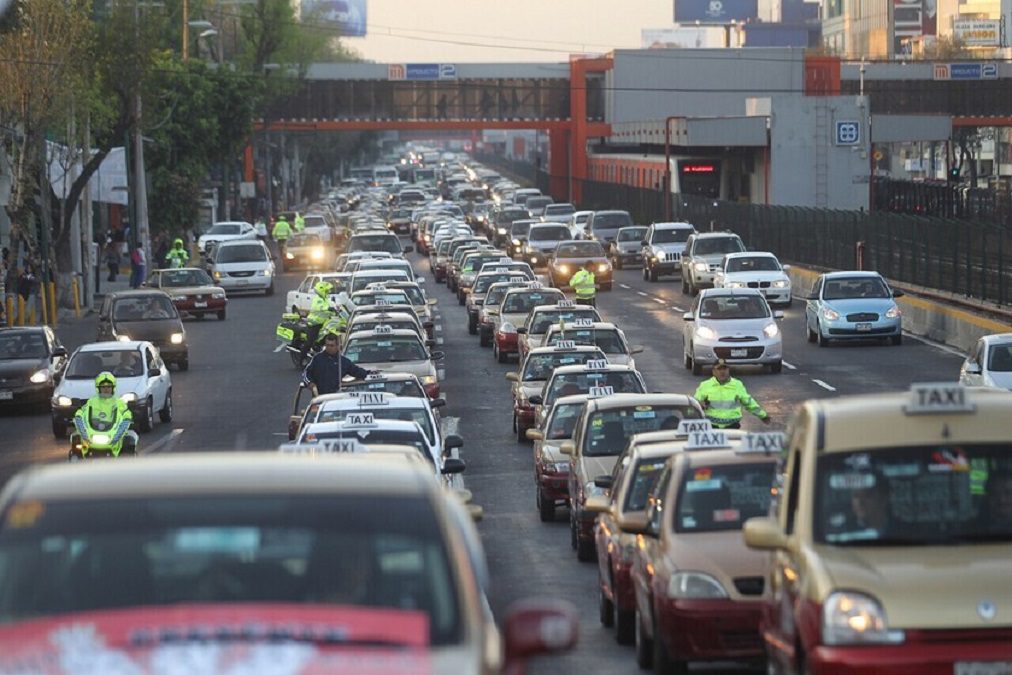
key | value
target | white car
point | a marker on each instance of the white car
(756, 270)
(243, 266)
(142, 380)
(300, 300)
(578, 224)
(989, 363)
(226, 231)
(736, 325)
(404, 351)
(361, 279)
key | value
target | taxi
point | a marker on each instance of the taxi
(300, 300)
(516, 274)
(484, 326)
(551, 467)
(571, 380)
(385, 349)
(424, 307)
(698, 590)
(892, 535)
(534, 372)
(472, 264)
(396, 321)
(532, 333)
(601, 434)
(605, 335)
(192, 291)
(516, 306)
(456, 262)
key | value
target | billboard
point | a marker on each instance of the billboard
(912, 19)
(347, 15)
(977, 32)
(716, 11)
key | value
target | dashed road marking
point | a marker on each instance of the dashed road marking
(659, 301)
(641, 293)
(824, 385)
(162, 442)
(624, 286)
(789, 366)
(441, 374)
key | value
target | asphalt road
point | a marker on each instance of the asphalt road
(238, 394)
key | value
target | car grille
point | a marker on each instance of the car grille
(672, 256)
(15, 380)
(240, 274)
(741, 338)
(851, 331)
(758, 284)
(750, 352)
(714, 267)
(749, 585)
(863, 316)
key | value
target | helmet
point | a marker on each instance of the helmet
(178, 243)
(323, 288)
(105, 378)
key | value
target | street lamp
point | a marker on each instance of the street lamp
(187, 25)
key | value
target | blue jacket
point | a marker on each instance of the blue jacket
(326, 372)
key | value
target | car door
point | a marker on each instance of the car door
(689, 327)
(720, 275)
(57, 354)
(105, 320)
(645, 250)
(686, 260)
(159, 382)
(779, 619)
(812, 306)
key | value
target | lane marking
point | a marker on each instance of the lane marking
(659, 301)
(441, 374)
(937, 345)
(624, 286)
(439, 340)
(789, 366)
(163, 442)
(642, 293)
(280, 433)
(824, 385)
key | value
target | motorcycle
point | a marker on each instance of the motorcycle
(293, 333)
(98, 439)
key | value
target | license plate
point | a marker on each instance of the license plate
(6, 395)
(983, 668)
(242, 282)
(200, 304)
(739, 353)
(863, 327)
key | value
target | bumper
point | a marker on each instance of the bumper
(172, 353)
(506, 342)
(665, 266)
(16, 394)
(702, 279)
(400, 228)
(439, 271)
(920, 658)
(754, 353)
(554, 486)
(843, 330)
(253, 283)
(208, 306)
(709, 630)
(627, 256)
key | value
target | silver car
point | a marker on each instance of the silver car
(736, 325)
(627, 249)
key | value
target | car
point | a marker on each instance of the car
(226, 231)
(146, 315)
(598, 376)
(532, 333)
(853, 306)
(699, 592)
(702, 256)
(308, 251)
(518, 236)
(534, 372)
(454, 264)
(627, 247)
(559, 213)
(542, 239)
(736, 326)
(989, 363)
(399, 219)
(191, 290)
(663, 247)
(521, 195)
(607, 337)
(300, 300)
(378, 241)
(536, 204)
(756, 270)
(32, 361)
(891, 526)
(243, 266)
(516, 305)
(603, 226)
(384, 349)
(345, 258)
(578, 225)
(504, 220)
(517, 274)
(333, 550)
(142, 381)
(362, 279)
(472, 264)
(394, 384)
(551, 467)
(398, 264)
(571, 255)
(488, 312)
(602, 433)
(395, 320)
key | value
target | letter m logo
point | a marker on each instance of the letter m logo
(396, 71)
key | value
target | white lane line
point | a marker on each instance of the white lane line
(641, 293)
(280, 433)
(438, 328)
(824, 385)
(162, 442)
(439, 340)
(789, 366)
(624, 286)
(441, 374)
(677, 309)
(659, 301)
(937, 345)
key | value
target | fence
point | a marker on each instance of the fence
(946, 200)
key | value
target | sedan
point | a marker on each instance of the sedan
(228, 231)
(756, 270)
(734, 325)
(145, 315)
(385, 349)
(571, 255)
(853, 306)
(31, 361)
(191, 290)
(989, 363)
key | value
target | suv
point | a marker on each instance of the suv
(604, 225)
(663, 246)
(703, 254)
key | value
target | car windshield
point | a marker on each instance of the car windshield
(409, 387)
(753, 263)
(723, 496)
(415, 295)
(520, 229)
(999, 358)
(642, 480)
(383, 412)
(730, 307)
(609, 341)
(611, 220)
(534, 203)
(369, 322)
(494, 297)
(303, 239)
(670, 236)
(542, 320)
(224, 229)
(579, 249)
(849, 288)
(713, 245)
(22, 345)
(79, 555)
(380, 297)
(144, 308)
(482, 283)
(375, 242)
(521, 303)
(360, 282)
(563, 421)
(240, 254)
(559, 209)
(119, 362)
(509, 215)
(924, 495)
(385, 349)
(571, 384)
(540, 366)
(631, 233)
(181, 278)
(559, 233)
(609, 431)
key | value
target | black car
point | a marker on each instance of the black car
(31, 362)
(145, 315)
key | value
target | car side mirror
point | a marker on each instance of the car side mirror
(535, 627)
(154, 372)
(513, 377)
(431, 302)
(452, 465)
(688, 317)
(534, 435)
(597, 504)
(521, 331)
(60, 351)
(777, 314)
(537, 399)
(764, 534)
(972, 368)
(785, 268)
(604, 482)
(638, 349)
(420, 280)
(437, 402)
(635, 522)
(898, 294)
(436, 356)
(452, 441)
(409, 249)
(567, 448)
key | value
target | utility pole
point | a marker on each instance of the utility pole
(141, 228)
(87, 228)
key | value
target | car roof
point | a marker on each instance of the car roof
(240, 242)
(997, 337)
(138, 293)
(581, 368)
(113, 346)
(626, 400)
(714, 235)
(351, 400)
(595, 325)
(852, 273)
(215, 474)
(552, 349)
(396, 332)
(674, 225)
(377, 425)
(751, 254)
(707, 292)
(23, 329)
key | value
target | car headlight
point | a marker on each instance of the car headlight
(706, 333)
(700, 266)
(317, 254)
(604, 267)
(218, 296)
(781, 283)
(734, 284)
(830, 314)
(128, 397)
(501, 230)
(507, 327)
(217, 276)
(289, 255)
(178, 298)
(176, 338)
(40, 376)
(893, 312)
(62, 401)
(771, 330)
(564, 269)
(854, 618)
(591, 490)
(695, 585)
(516, 242)
(428, 379)
(123, 338)
(265, 273)
(100, 439)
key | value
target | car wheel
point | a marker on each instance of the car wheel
(221, 315)
(776, 367)
(663, 663)
(461, 298)
(653, 274)
(484, 339)
(896, 340)
(625, 626)
(295, 310)
(686, 360)
(472, 326)
(645, 274)
(270, 290)
(500, 356)
(644, 645)
(822, 339)
(812, 337)
(685, 286)
(147, 422)
(184, 363)
(605, 607)
(521, 432)
(572, 530)
(697, 367)
(617, 264)
(586, 551)
(165, 414)
(546, 507)
(59, 430)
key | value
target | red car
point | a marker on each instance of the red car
(551, 467)
(191, 290)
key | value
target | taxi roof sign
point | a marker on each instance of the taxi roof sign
(359, 419)
(375, 376)
(366, 398)
(326, 446)
(599, 392)
(936, 398)
(382, 329)
(566, 303)
(583, 323)
(765, 443)
(518, 280)
(381, 302)
(565, 344)
(597, 364)
(686, 427)
(707, 440)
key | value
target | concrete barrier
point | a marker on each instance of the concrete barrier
(928, 317)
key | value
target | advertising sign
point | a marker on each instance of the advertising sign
(912, 19)
(348, 15)
(715, 11)
(421, 71)
(965, 71)
(977, 32)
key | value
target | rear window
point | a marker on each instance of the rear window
(715, 245)
(559, 233)
(642, 481)
(571, 384)
(240, 254)
(612, 220)
(713, 498)
(517, 303)
(609, 431)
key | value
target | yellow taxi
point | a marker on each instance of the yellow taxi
(892, 536)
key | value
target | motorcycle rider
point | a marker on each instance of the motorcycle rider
(105, 410)
(320, 312)
(177, 257)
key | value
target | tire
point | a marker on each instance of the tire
(499, 356)
(270, 290)
(685, 286)
(521, 431)
(461, 298)
(484, 339)
(165, 414)
(295, 310)
(586, 551)
(572, 530)
(146, 423)
(605, 607)
(686, 360)
(645, 274)
(59, 430)
(822, 339)
(472, 326)
(812, 337)
(618, 263)
(221, 315)
(663, 663)
(625, 626)
(546, 507)
(777, 367)
(896, 340)
(184, 363)
(644, 645)
(697, 368)
(652, 275)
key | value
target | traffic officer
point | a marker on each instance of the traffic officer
(300, 222)
(585, 285)
(722, 397)
(105, 408)
(326, 370)
(320, 311)
(282, 230)
(177, 256)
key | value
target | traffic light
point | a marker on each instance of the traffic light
(954, 174)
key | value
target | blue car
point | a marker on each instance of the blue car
(853, 306)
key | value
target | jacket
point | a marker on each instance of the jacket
(101, 412)
(177, 257)
(584, 283)
(326, 372)
(282, 230)
(320, 311)
(723, 402)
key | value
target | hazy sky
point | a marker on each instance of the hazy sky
(457, 31)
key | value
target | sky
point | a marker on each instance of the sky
(468, 31)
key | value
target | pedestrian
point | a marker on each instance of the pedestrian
(585, 284)
(138, 265)
(162, 247)
(723, 397)
(326, 370)
(112, 260)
